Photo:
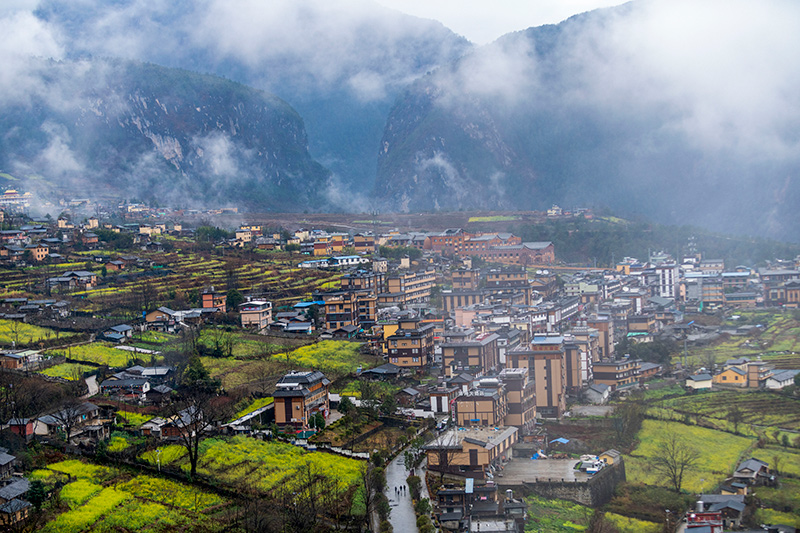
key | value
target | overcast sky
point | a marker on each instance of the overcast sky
(482, 22)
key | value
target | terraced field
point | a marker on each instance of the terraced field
(178, 273)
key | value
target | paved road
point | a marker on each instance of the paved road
(402, 518)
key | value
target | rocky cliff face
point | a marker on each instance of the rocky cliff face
(624, 108)
(167, 135)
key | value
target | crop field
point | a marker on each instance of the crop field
(131, 417)
(778, 341)
(334, 358)
(184, 271)
(759, 408)
(252, 406)
(70, 371)
(101, 499)
(789, 458)
(236, 372)
(251, 463)
(496, 218)
(244, 345)
(21, 334)
(99, 353)
(562, 516)
(784, 499)
(719, 454)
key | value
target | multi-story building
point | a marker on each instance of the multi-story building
(668, 274)
(617, 373)
(298, 395)
(476, 355)
(470, 453)
(349, 308)
(452, 300)
(408, 287)
(466, 279)
(509, 279)
(364, 243)
(364, 280)
(212, 299)
(520, 399)
(256, 314)
(545, 360)
(485, 405)
(409, 344)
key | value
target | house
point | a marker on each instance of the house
(610, 456)
(386, 371)
(6, 464)
(14, 512)
(22, 427)
(597, 393)
(699, 381)
(752, 472)
(212, 299)
(408, 396)
(256, 314)
(16, 489)
(731, 507)
(732, 375)
(470, 452)
(160, 394)
(298, 395)
(81, 416)
(155, 374)
(134, 388)
(781, 379)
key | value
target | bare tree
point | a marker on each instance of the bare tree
(71, 412)
(673, 457)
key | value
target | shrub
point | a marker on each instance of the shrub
(386, 527)
(423, 520)
(414, 486)
(423, 507)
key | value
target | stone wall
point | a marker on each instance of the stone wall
(597, 491)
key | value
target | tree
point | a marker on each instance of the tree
(735, 417)
(345, 405)
(233, 299)
(198, 408)
(673, 458)
(69, 415)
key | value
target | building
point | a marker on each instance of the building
(731, 376)
(476, 354)
(212, 299)
(520, 399)
(409, 344)
(298, 395)
(545, 360)
(349, 308)
(408, 287)
(617, 373)
(470, 452)
(484, 405)
(256, 314)
(699, 382)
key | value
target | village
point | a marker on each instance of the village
(297, 378)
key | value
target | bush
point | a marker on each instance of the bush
(382, 506)
(423, 507)
(414, 486)
(386, 527)
(423, 520)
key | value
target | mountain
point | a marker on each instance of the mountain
(631, 107)
(340, 64)
(122, 128)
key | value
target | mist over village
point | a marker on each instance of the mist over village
(399, 266)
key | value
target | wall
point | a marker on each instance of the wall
(596, 492)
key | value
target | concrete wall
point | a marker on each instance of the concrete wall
(597, 491)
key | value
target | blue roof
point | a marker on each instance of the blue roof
(562, 440)
(303, 305)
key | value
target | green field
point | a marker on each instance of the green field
(761, 411)
(70, 371)
(719, 454)
(100, 353)
(334, 358)
(252, 406)
(249, 463)
(104, 499)
(774, 343)
(496, 218)
(21, 334)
